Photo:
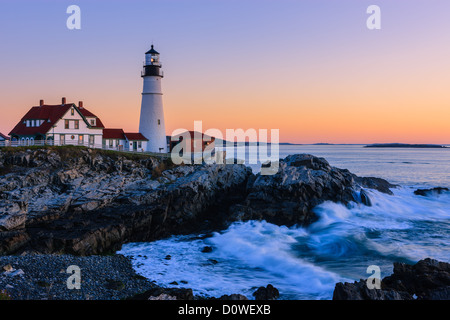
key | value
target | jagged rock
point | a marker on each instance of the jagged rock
(375, 183)
(14, 273)
(428, 279)
(302, 182)
(158, 293)
(162, 296)
(365, 199)
(83, 201)
(8, 267)
(267, 293)
(233, 297)
(428, 192)
(360, 291)
(207, 249)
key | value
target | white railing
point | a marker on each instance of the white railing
(26, 143)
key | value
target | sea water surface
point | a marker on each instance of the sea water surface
(306, 262)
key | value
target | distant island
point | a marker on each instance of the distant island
(403, 145)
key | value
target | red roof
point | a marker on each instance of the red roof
(135, 136)
(113, 134)
(50, 114)
(86, 113)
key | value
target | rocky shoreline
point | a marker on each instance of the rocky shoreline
(85, 202)
(428, 279)
(79, 204)
(46, 277)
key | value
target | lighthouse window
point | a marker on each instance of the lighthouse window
(159, 122)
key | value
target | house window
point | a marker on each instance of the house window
(77, 124)
(72, 111)
(111, 143)
(66, 124)
(93, 122)
(62, 139)
(91, 139)
(80, 139)
(139, 144)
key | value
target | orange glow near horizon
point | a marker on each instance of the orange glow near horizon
(329, 79)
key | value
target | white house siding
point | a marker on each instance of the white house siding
(114, 144)
(141, 146)
(71, 134)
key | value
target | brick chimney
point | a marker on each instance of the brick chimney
(63, 100)
(80, 104)
(41, 103)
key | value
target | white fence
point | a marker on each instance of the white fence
(25, 143)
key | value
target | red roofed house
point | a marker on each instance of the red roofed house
(198, 141)
(117, 139)
(67, 123)
(114, 139)
(136, 141)
(60, 124)
(3, 139)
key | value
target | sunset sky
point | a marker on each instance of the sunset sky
(311, 69)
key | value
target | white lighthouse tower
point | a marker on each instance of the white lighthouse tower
(151, 123)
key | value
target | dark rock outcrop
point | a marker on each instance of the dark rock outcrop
(160, 293)
(302, 182)
(432, 191)
(85, 201)
(266, 293)
(428, 279)
(91, 202)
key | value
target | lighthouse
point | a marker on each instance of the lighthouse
(151, 123)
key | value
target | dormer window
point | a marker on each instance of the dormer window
(92, 122)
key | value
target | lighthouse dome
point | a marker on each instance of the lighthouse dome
(152, 51)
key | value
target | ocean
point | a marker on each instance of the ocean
(307, 262)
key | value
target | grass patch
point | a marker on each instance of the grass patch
(71, 151)
(165, 164)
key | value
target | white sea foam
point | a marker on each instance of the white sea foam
(304, 263)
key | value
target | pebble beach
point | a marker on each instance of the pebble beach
(44, 277)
